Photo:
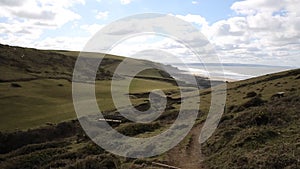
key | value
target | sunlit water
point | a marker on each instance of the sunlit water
(231, 72)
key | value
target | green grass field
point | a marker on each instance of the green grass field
(45, 95)
(49, 100)
(40, 101)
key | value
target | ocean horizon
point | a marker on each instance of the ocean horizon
(230, 71)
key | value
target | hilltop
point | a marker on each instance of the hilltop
(23, 64)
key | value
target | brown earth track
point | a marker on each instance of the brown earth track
(190, 156)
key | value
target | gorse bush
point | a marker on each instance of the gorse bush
(135, 129)
(265, 136)
(12, 141)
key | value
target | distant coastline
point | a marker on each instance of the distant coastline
(230, 71)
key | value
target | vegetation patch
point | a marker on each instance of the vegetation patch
(257, 137)
(132, 129)
(15, 85)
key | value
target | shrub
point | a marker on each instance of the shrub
(15, 85)
(251, 94)
(15, 140)
(256, 101)
(135, 129)
(226, 117)
(92, 148)
(96, 162)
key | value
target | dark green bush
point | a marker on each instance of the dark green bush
(15, 85)
(251, 94)
(133, 129)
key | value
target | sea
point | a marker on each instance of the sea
(230, 71)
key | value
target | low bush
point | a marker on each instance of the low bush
(133, 129)
(15, 85)
(251, 94)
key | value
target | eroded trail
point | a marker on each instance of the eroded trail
(188, 156)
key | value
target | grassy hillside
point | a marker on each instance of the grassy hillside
(36, 88)
(265, 136)
(257, 129)
(27, 64)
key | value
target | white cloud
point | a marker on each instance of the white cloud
(61, 43)
(125, 2)
(11, 2)
(102, 15)
(255, 6)
(27, 20)
(197, 19)
(264, 31)
(40, 10)
(154, 48)
(18, 33)
(92, 29)
(195, 2)
(181, 29)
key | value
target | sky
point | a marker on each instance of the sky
(244, 31)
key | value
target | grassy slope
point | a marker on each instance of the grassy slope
(259, 137)
(45, 92)
(258, 133)
(221, 149)
(112, 66)
(250, 135)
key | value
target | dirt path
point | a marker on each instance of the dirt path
(188, 157)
